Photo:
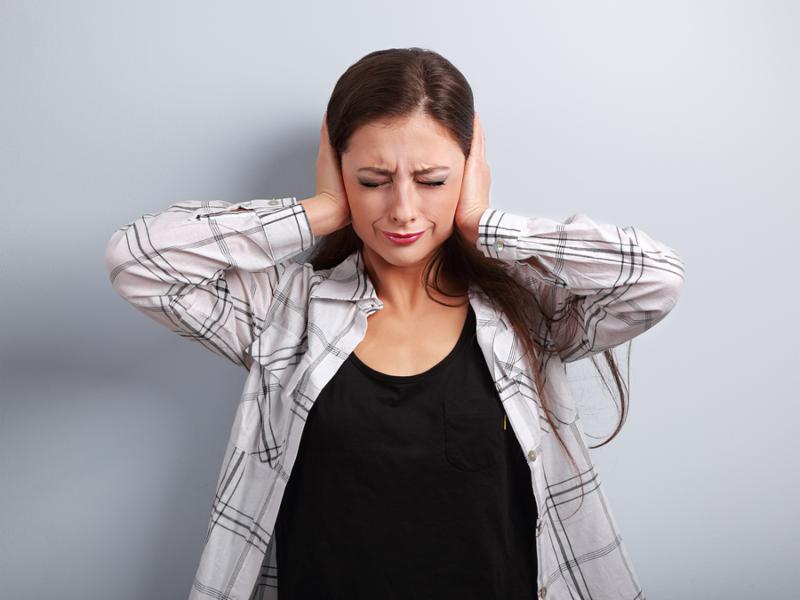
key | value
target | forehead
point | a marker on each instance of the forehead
(417, 140)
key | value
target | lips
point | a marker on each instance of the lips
(403, 235)
(403, 238)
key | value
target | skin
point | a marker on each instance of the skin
(402, 202)
(412, 332)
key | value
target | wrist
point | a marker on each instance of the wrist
(468, 227)
(324, 214)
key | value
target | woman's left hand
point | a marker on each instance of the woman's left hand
(475, 185)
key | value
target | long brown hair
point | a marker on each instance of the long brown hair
(395, 83)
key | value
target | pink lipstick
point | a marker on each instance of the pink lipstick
(406, 239)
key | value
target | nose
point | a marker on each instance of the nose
(404, 204)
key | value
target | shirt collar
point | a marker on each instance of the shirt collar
(350, 281)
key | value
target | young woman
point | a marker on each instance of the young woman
(406, 429)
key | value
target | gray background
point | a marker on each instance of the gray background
(677, 117)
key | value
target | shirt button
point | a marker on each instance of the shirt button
(499, 244)
(273, 202)
(542, 592)
(532, 454)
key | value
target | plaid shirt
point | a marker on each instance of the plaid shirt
(226, 276)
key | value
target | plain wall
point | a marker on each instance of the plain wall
(677, 117)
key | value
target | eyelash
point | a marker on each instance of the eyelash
(428, 183)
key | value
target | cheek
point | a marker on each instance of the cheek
(362, 210)
(365, 212)
(452, 199)
(357, 200)
(442, 215)
(446, 204)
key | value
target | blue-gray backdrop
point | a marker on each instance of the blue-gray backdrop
(677, 117)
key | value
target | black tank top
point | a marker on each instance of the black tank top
(409, 487)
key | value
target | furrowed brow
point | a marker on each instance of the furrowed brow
(379, 171)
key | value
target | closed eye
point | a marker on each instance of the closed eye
(428, 183)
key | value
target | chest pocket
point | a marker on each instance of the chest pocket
(473, 431)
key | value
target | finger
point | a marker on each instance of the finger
(474, 148)
(323, 132)
(483, 141)
(478, 135)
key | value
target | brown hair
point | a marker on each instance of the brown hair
(395, 83)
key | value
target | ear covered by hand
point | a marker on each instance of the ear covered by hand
(475, 184)
(330, 184)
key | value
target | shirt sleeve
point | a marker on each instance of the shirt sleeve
(603, 284)
(208, 270)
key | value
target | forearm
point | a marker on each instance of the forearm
(192, 243)
(469, 228)
(616, 282)
(208, 269)
(581, 254)
(324, 215)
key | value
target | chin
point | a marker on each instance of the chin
(400, 256)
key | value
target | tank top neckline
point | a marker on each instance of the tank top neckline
(466, 330)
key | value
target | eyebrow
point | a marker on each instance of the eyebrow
(378, 171)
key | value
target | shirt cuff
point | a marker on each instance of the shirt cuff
(499, 233)
(285, 222)
(286, 226)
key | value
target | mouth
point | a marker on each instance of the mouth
(403, 238)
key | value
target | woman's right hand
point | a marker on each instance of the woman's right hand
(330, 184)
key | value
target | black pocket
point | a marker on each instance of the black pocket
(473, 429)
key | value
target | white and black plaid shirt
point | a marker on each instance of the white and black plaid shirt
(224, 275)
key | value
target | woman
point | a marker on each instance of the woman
(442, 455)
